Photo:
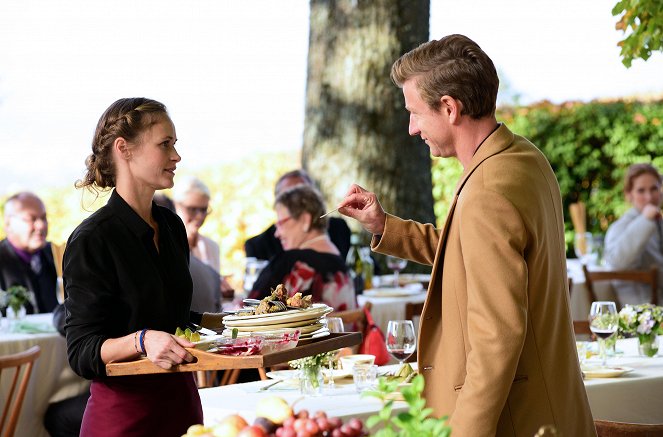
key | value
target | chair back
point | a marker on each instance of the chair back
(22, 362)
(356, 318)
(413, 309)
(642, 276)
(606, 428)
(582, 330)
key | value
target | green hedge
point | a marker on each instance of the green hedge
(589, 146)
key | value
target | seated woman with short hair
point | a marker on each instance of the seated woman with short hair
(310, 263)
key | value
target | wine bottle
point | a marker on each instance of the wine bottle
(355, 264)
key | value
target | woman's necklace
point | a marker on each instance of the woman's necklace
(308, 242)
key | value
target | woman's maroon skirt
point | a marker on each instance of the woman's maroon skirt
(142, 405)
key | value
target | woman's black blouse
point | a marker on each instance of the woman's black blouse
(117, 283)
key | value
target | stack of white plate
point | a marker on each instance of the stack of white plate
(310, 322)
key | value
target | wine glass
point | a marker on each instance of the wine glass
(603, 322)
(335, 325)
(396, 264)
(583, 246)
(401, 340)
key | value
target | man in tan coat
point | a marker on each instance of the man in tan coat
(496, 343)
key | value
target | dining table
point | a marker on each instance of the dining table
(636, 395)
(52, 379)
(388, 301)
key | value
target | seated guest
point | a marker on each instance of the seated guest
(26, 257)
(207, 282)
(310, 263)
(64, 418)
(266, 245)
(191, 197)
(635, 241)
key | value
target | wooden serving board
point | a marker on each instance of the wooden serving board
(211, 361)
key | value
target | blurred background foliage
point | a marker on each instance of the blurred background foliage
(589, 146)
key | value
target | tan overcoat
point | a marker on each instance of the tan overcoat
(496, 342)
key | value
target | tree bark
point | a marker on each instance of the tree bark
(356, 125)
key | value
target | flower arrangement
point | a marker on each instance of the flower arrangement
(643, 321)
(310, 371)
(15, 297)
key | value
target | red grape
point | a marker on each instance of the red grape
(335, 422)
(320, 413)
(312, 427)
(323, 424)
(303, 414)
(356, 424)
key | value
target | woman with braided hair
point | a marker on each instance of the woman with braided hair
(127, 280)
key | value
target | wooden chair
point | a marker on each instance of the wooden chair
(643, 276)
(581, 328)
(355, 318)
(14, 400)
(413, 309)
(605, 428)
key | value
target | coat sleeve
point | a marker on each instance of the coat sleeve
(407, 239)
(493, 250)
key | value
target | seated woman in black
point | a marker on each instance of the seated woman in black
(310, 263)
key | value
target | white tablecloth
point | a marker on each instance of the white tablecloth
(389, 308)
(52, 379)
(343, 401)
(633, 397)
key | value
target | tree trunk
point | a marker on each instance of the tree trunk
(356, 126)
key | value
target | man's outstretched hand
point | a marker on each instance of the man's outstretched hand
(363, 206)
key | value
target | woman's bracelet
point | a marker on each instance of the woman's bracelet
(136, 342)
(142, 341)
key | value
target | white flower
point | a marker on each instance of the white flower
(628, 315)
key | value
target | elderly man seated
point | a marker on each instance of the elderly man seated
(26, 257)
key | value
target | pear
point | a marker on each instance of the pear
(274, 408)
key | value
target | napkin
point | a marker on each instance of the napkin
(32, 328)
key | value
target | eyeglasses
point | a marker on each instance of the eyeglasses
(281, 222)
(193, 210)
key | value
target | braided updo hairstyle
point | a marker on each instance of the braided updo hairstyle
(127, 118)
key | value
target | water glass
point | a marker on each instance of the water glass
(364, 376)
(581, 347)
(252, 270)
(335, 324)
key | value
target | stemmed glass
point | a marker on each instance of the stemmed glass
(335, 325)
(401, 340)
(583, 246)
(603, 322)
(396, 264)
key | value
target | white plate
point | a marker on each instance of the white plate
(393, 292)
(315, 312)
(302, 325)
(294, 374)
(605, 372)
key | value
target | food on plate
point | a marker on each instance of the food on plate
(280, 294)
(237, 346)
(403, 375)
(297, 301)
(188, 334)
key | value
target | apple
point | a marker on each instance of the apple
(252, 431)
(275, 409)
(230, 426)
